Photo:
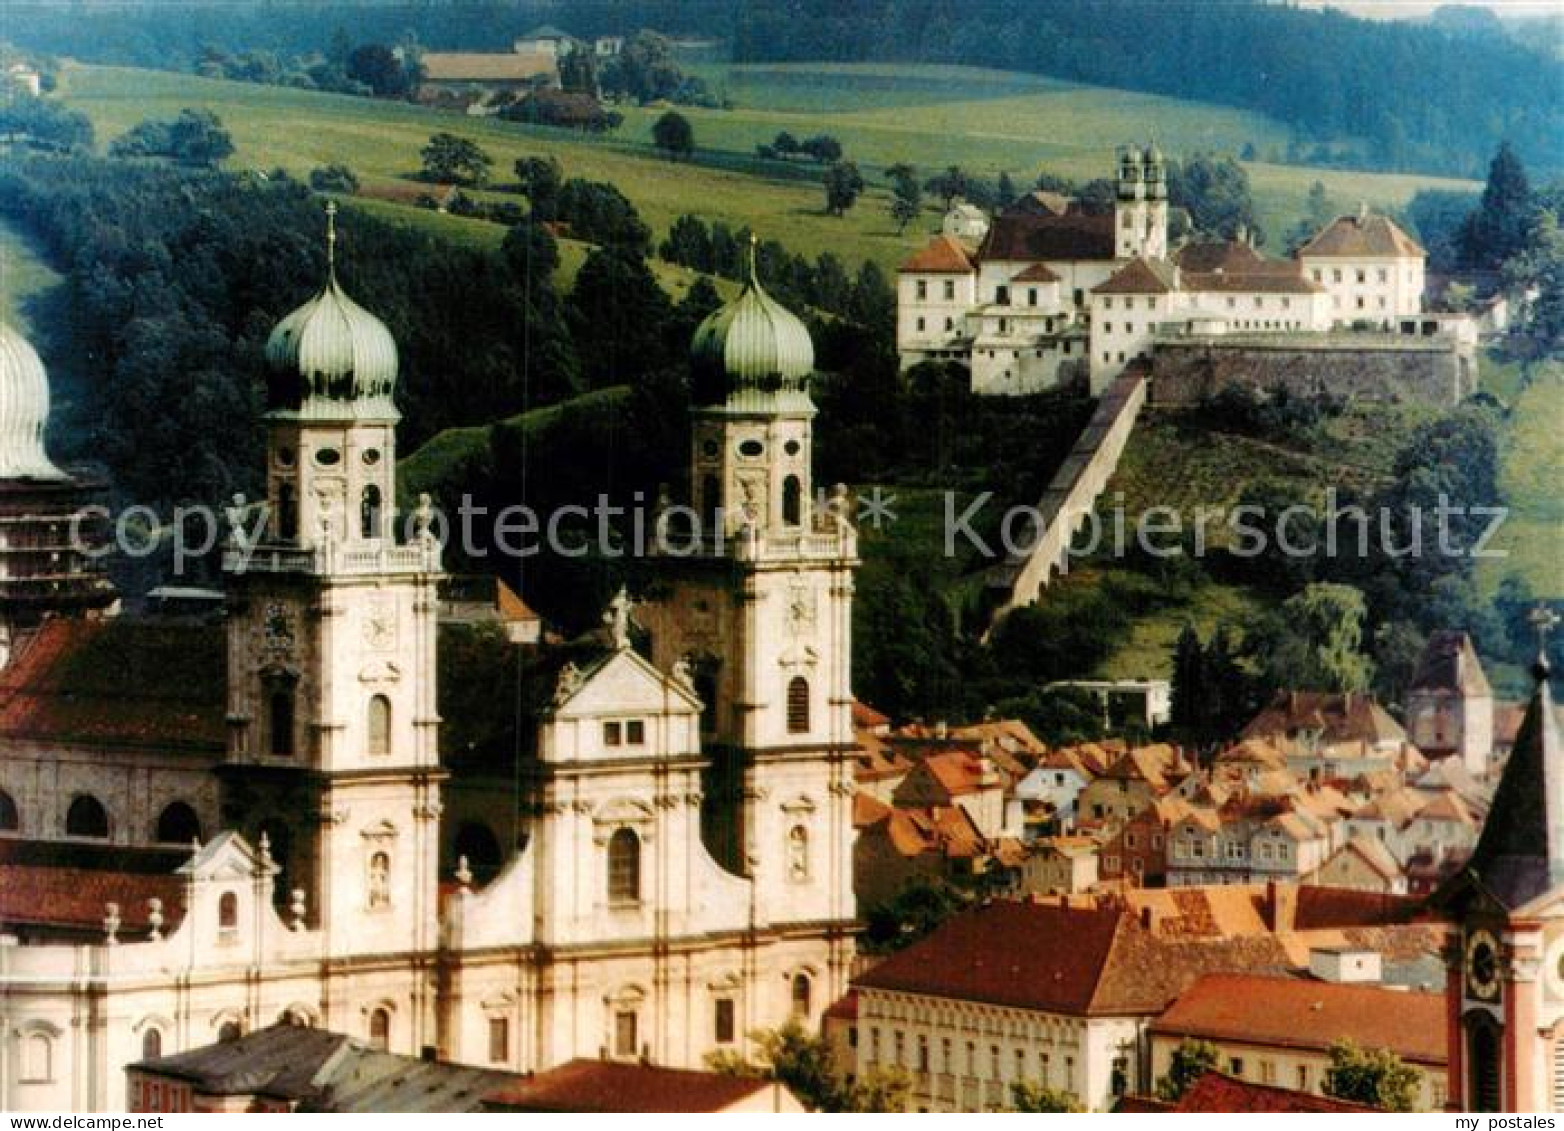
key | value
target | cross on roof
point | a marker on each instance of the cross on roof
(331, 236)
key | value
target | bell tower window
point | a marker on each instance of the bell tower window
(369, 512)
(280, 722)
(379, 740)
(792, 501)
(287, 513)
(798, 705)
(379, 880)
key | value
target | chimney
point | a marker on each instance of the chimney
(1363, 212)
(1281, 906)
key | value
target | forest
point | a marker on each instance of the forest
(1435, 97)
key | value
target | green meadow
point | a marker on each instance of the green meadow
(930, 117)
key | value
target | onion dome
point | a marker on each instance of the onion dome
(24, 410)
(331, 357)
(753, 352)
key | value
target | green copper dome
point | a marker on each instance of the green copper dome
(753, 345)
(331, 357)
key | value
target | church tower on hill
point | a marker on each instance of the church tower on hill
(1140, 206)
(760, 615)
(1505, 956)
(333, 740)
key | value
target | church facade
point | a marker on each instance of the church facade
(683, 870)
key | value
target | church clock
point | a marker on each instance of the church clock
(1482, 965)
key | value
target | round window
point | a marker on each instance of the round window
(371, 457)
(709, 449)
(792, 447)
(284, 457)
(751, 448)
(328, 457)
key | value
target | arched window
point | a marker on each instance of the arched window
(380, 880)
(478, 845)
(230, 1032)
(10, 819)
(369, 525)
(1487, 1092)
(380, 1029)
(87, 817)
(151, 1043)
(178, 824)
(227, 911)
(38, 1058)
(798, 705)
(711, 498)
(792, 501)
(801, 989)
(280, 722)
(624, 867)
(287, 513)
(798, 853)
(379, 725)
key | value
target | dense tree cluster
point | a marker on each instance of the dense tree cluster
(43, 123)
(194, 137)
(718, 249)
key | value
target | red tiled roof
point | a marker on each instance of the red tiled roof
(844, 1008)
(1229, 256)
(1368, 234)
(119, 681)
(606, 1086)
(1341, 717)
(1026, 238)
(868, 810)
(1111, 967)
(867, 718)
(1303, 1014)
(1449, 663)
(61, 889)
(943, 256)
(1036, 273)
(1218, 1093)
(1138, 277)
(1280, 278)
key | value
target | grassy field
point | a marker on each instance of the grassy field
(1533, 535)
(929, 116)
(23, 274)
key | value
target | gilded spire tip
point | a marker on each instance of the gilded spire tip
(331, 238)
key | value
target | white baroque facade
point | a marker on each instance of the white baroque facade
(613, 930)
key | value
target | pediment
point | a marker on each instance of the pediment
(622, 684)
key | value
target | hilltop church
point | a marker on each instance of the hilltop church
(207, 827)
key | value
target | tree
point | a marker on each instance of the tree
(906, 198)
(673, 134)
(540, 180)
(843, 185)
(377, 67)
(822, 147)
(1030, 1097)
(785, 144)
(1317, 214)
(195, 137)
(618, 311)
(1215, 191)
(804, 1064)
(1497, 230)
(645, 70)
(1189, 1062)
(334, 178)
(948, 185)
(912, 914)
(599, 213)
(1006, 190)
(44, 124)
(1376, 1077)
(450, 159)
(1190, 690)
(1314, 641)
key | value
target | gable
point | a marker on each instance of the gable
(623, 684)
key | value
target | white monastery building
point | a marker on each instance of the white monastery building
(1048, 294)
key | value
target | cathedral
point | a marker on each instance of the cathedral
(208, 827)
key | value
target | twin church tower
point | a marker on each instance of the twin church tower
(687, 817)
